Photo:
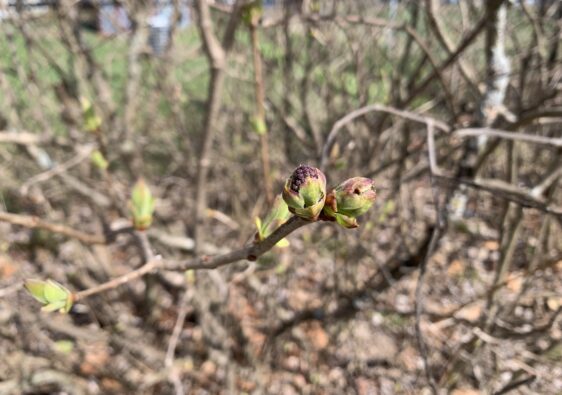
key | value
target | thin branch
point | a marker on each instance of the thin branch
(173, 342)
(504, 190)
(423, 265)
(23, 138)
(83, 153)
(259, 91)
(33, 222)
(374, 108)
(250, 252)
(556, 142)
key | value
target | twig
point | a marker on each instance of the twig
(250, 252)
(423, 265)
(33, 222)
(10, 289)
(514, 384)
(504, 190)
(23, 138)
(259, 88)
(63, 167)
(216, 53)
(374, 108)
(556, 142)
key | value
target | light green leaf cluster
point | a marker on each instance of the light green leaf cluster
(51, 294)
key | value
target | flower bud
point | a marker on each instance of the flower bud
(349, 200)
(305, 192)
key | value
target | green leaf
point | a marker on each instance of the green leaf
(54, 306)
(259, 228)
(64, 346)
(51, 294)
(92, 122)
(259, 125)
(142, 205)
(99, 160)
(283, 243)
(36, 288)
(54, 292)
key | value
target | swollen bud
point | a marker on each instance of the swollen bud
(305, 192)
(142, 205)
(349, 200)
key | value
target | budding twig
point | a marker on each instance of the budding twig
(250, 252)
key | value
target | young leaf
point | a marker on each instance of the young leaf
(54, 306)
(142, 205)
(99, 160)
(54, 292)
(36, 288)
(92, 122)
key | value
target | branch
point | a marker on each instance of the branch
(83, 153)
(250, 252)
(503, 190)
(33, 222)
(23, 138)
(374, 108)
(556, 142)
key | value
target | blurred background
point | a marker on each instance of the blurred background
(452, 284)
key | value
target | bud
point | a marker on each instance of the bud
(92, 122)
(99, 160)
(142, 205)
(349, 200)
(51, 294)
(305, 192)
(278, 215)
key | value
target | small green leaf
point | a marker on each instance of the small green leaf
(259, 125)
(283, 243)
(259, 228)
(142, 205)
(36, 288)
(92, 122)
(64, 346)
(54, 292)
(51, 294)
(99, 160)
(54, 306)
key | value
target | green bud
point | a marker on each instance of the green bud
(349, 200)
(142, 205)
(259, 125)
(305, 192)
(92, 122)
(51, 294)
(278, 215)
(99, 160)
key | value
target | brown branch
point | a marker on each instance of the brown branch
(83, 153)
(467, 41)
(556, 142)
(33, 222)
(216, 56)
(259, 86)
(445, 41)
(250, 252)
(23, 138)
(506, 191)
(374, 108)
